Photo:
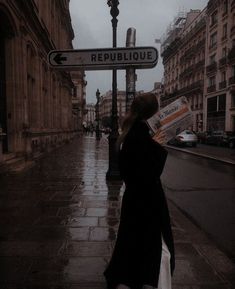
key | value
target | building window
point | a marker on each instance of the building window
(223, 82)
(222, 102)
(225, 30)
(213, 40)
(233, 20)
(212, 59)
(214, 18)
(211, 81)
(225, 7)
(223, 76)
(212, 104)
(233, 100)
(224, 52)
(233, 43)
(233, 71)
(216, 103)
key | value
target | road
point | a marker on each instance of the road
(205, 190)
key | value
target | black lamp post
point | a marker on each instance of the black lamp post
(113, 172)
(97, 116)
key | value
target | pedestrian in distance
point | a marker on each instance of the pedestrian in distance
(143, 256)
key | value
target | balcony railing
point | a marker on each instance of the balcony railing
(232, 29)
(231, 54)
(192, 69)
(214, 23)
(211, 88)
(222, 84)
(224, 37)
(199, 64)
(187, 71)
(222, 61)
(211, 68)
(170, 95)
(232, 80)
(201, 45)
(232, 5)
(213, 46)
(198, 85)
(212, 5)
(192, 50)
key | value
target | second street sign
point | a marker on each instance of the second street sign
(104, 59)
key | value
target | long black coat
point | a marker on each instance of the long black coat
(144, 215)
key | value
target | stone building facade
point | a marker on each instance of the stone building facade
(35, 100)
(198, 53)
(219, 91)
(79, 99)
(183, 52)
(105, 106)
(158, 90)
(90, 116)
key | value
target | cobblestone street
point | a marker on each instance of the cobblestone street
(59, 221)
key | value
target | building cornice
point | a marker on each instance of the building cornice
(66, 15)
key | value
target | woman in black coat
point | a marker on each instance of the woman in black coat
(144, 233)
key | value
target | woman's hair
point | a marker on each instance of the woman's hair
(143, 107)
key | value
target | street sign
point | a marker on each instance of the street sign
(104, 58)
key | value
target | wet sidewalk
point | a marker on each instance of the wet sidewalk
(59, 222)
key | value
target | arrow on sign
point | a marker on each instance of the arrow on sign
(58, 58)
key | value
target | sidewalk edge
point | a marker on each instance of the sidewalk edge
(201, 155)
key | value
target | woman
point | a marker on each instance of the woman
(144, 239)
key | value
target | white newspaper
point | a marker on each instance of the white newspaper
(172, 119)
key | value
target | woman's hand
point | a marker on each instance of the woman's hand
(160, 137)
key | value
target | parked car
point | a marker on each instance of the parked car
(221, 138)
(231, 142)
(186, 137)
(202, 136)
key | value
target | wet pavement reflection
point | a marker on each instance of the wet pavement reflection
(59, 222)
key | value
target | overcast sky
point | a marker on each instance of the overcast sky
(91, 21)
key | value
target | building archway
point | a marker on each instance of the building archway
(6, 32)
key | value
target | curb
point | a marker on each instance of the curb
(202, 155)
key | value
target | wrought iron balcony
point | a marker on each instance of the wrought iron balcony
(187, 71)
(212, 5)
(232, 31)
(231, 54)
(223, 84)
(223, 61)
(211, 68)
(232, 5)
(199, 64)
(232, 80)
(211, 88)
(196, 86)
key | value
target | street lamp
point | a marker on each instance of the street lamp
(97, 130)
(113, 172)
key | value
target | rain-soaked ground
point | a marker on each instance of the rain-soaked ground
(58, 224)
